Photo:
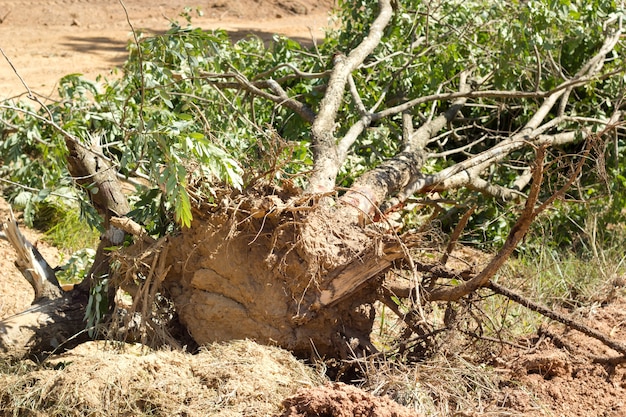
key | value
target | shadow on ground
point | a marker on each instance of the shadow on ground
(102, 45)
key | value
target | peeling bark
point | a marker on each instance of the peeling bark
(31, 264)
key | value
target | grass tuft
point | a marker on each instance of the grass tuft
(64, 228)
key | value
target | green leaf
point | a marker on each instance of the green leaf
(183, 208)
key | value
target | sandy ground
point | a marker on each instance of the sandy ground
(45, 40)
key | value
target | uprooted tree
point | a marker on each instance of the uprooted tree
(274, 188)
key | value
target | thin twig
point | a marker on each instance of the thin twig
(457, 233)
(30, 93)
(551, 314)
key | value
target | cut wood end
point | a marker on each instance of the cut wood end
(325, 298)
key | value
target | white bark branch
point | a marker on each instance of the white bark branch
(325, 152)
(374, 186)
(464, 172)
(495, 190)
(533, 133)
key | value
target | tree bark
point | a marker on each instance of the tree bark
(56, 319)
(49, 325)
(93, 171)
(326, 158)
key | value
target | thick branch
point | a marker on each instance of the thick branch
(129, 226)
(95, 173)
(48, 325)
(515, 236)
(495, 190)
(374, 186)
(325, 155)
(99, 177)
(463, 173)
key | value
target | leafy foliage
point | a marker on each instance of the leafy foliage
(98, 306)
(176, 118)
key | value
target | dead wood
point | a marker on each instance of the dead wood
(561, 343)
(348, 279)
(456, 234)
(31, 263)
(56, 318)
(515, 236)
(48, 325)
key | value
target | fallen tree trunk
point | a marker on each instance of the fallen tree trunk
(49, 325)
(57, 319)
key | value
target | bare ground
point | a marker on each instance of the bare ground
(555, 375)
(45, 40)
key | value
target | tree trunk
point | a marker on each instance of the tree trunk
(49, 325)
(56, 319)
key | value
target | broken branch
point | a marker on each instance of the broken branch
(31, 263)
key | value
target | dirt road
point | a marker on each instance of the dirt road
(45, 40)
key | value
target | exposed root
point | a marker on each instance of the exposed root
(141, 312)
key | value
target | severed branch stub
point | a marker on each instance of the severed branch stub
(129, 226)
(31, 263)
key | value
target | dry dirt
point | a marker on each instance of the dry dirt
(44, 40)
(341, 400)
(223, 254)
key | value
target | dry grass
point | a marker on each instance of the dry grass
(448, 382)
(233, 379)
